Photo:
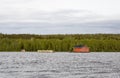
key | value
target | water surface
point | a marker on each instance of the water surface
(59, 65)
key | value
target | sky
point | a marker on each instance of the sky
(59, 16)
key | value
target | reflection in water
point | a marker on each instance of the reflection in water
(59, 65)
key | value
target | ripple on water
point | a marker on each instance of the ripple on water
(59, 65)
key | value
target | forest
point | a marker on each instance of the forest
(59, 42)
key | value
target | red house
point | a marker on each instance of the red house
(81, 49)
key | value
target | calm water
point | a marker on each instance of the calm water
(59, 65)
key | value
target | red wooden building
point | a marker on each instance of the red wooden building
(81, 49)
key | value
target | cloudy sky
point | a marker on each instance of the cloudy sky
(59, 16)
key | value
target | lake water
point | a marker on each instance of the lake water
(59, 65)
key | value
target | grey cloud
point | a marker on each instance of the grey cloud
(48, 28)
(58, 22)
(63, 16)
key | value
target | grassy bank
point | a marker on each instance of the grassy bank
(63, 42)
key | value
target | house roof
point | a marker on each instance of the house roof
(79, 46)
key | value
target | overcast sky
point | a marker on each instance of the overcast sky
(59, 16)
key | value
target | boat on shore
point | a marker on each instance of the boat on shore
(45, 51)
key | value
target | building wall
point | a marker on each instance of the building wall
(83, 49)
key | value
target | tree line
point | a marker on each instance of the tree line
(60, 42)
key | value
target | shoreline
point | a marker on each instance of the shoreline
(50, 52)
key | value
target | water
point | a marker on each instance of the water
(59, 65)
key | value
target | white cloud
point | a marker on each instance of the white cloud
(17, 15)
(99, 6)
(40, 10)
